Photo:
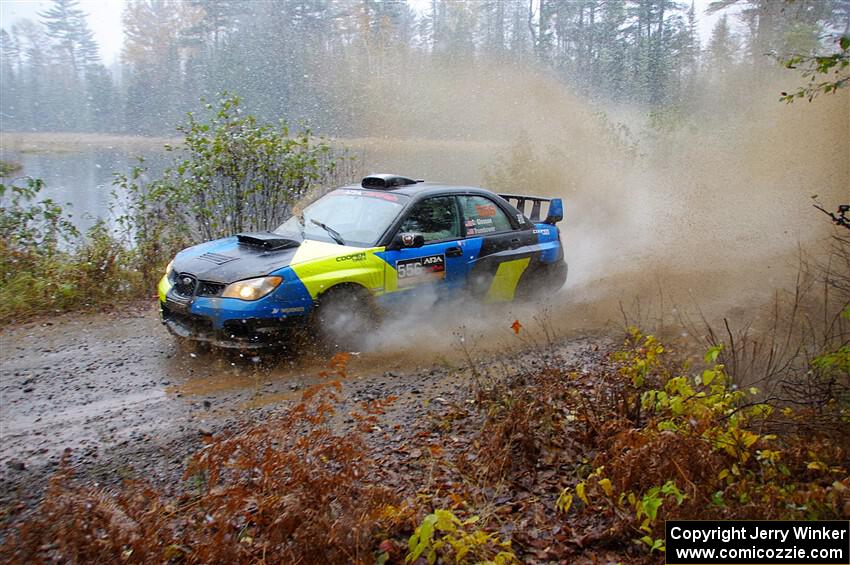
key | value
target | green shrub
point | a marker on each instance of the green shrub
(442, 534)
(231, 174)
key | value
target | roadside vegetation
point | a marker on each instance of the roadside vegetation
(541, 459)
(538, 460)
(230, 174)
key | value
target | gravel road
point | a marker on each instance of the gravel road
(129, 402)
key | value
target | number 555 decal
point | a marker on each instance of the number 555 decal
(421, 269)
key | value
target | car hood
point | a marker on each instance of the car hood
(251, 255)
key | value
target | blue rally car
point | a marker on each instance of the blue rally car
(357, 251)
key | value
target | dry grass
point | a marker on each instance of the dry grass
(74, 142)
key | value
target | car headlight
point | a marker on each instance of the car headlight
(252, 289)
(169, 268)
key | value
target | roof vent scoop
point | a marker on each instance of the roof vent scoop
(386, 181)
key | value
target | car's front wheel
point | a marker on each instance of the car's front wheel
(345, 317)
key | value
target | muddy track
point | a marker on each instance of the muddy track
(129, 402)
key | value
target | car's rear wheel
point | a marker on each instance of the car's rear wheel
(345, 317)
(545, 279)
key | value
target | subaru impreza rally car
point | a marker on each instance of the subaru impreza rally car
(357, 251)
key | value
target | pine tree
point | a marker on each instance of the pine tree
(10, 88)
(691, 43)
(776, 29)
(32, 44)
(519, 15)
(154, 55)
(493, 27)
(541, 27)
(723, 47)
(612, 51)
(73, 42)
(74, 71)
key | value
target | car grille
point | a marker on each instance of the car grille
(184, 285)
(187, 286)
(210, 289)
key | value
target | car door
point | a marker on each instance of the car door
(500, 247)
(438, 265)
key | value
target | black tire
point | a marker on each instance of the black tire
(345, 317)
(542, 281)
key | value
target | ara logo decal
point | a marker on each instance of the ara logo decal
(541, 232)
(353, 257)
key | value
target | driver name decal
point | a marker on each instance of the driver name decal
(420, 270)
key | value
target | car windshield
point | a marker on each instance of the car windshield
(348, 216)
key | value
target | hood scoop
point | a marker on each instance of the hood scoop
(266, 240)
(217, 258)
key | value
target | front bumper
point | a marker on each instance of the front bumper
(232, 323)
(244, 333)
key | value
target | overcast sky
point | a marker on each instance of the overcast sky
(105, 19)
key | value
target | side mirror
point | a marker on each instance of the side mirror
(408, 240)
(556, 211)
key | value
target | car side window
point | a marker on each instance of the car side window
(482, 215)
(435, 218)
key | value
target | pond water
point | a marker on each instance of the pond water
(81, 174)
(82, 182)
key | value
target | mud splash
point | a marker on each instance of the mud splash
(707, 205)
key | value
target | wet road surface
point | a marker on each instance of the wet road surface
(129, 402)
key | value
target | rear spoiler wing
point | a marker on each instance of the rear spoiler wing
(554, 212)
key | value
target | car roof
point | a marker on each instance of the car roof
(424, 189)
